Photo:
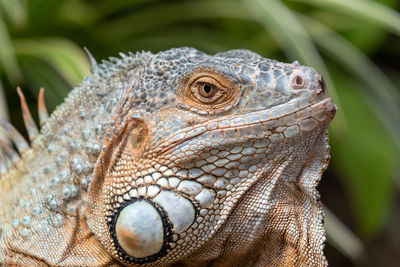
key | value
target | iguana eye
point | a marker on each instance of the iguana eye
(210, 91)
(207, 90)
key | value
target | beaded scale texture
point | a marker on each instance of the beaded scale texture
(172, 159)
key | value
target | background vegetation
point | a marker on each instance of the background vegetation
(353, 43)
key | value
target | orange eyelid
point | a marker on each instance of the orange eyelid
(225, 90)
(211, 77)
(212, 81)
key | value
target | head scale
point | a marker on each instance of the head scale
(192, 140)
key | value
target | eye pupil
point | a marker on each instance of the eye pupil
(207, 88)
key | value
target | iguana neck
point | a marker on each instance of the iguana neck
(53, 175)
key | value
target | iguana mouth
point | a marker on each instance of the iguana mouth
(298, 115)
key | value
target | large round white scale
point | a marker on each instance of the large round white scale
(139, 229)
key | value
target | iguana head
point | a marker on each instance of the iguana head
(174, 158)
(198, 139)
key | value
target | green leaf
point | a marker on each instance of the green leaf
(15, 11)
(77, 12)
(39, 73)
(166, 13)
(365, 157)
(288, 31)
(283, 25)
(206, 40)
(8, 61)
(342, 238)
(366, 10)
(382, 94)
(3, 110)
(69, 60)
(105, 9)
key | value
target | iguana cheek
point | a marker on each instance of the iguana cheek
(139, 229)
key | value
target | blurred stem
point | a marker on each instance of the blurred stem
(15, 11)
(369, 11)
(3, 110)
(382, 94)
(8, 61)
(342, 238)
(287, 30)
(278, 20)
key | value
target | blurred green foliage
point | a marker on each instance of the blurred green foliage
(41, 45)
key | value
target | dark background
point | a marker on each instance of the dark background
(355, 44)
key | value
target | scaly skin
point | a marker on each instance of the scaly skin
(177, 158)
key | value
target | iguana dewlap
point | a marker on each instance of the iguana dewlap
(177, 158)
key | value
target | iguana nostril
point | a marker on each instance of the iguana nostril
(298, 80)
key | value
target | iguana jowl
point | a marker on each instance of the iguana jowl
(178, 158)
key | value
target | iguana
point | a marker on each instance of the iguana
(172, 159)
